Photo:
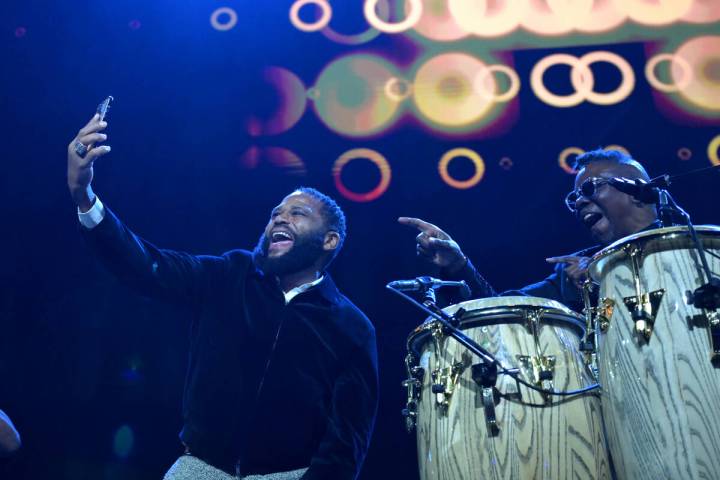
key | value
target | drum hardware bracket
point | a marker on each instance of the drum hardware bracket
(714, 324)
(444, 381)
(413, 384)
(604, 313)
(643, 306)
(540, 369)
(485, 375)
(643, 309)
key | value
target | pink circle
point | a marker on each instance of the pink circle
(20, 32)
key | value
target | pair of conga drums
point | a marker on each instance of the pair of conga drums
(656, 415)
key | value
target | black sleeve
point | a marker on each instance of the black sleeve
(479, 287)
(165, 274)
(550, 287)
(352, 418)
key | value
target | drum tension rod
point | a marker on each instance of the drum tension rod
(413, 384)
(485, 375)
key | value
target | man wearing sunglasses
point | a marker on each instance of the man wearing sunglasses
(608, 213)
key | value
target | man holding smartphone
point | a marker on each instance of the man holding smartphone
(282, 378)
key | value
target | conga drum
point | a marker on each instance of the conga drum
(533, 435)
(660, 390)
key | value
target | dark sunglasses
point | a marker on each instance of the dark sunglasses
(587, 189)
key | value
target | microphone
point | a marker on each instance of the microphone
(422, 284)
(646, 192)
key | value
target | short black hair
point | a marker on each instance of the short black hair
(614, 156)
(332, 214)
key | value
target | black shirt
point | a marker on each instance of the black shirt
(270, 387)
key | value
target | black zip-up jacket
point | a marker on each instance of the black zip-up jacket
(270, 387)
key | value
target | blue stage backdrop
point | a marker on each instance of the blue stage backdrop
(465, 113)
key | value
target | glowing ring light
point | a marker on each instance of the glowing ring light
(374, 157)
(713, 150)
(618, 148)
(702, 54)
(393, 83)
(512, 90)
(461, 152)
(562, 159)
(416, 10)
(506, 163)
(684, 153)
(538, 85)
(473, 17)
(357, 38)
(218, 25)
(685, 79)
(319, 24)
(627, 85)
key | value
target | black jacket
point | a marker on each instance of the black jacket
(270, 387)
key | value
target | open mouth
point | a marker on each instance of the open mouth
(589, 219)
(280, 241)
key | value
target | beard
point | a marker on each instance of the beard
(304, 253)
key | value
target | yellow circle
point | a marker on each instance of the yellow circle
(713, 150)
(395, 82)
(512, 90)
(319, 24)
(685, 80)
(416, 10)
(467, 153)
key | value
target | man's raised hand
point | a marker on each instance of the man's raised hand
(436, 245)
(80, 167)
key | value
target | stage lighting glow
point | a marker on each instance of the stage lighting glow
(292, 103)
(437, 22)
(445, 93)
(481, 83)
(398, 89)
(703, 56)
(618, 148)
(712, 151)
(123, 441)
(287, 161)
(556, 17)
(20, 32)
(411, 19)
(319, 24)
(655, 13)
(358, 38)
(368, 154)
(465, 153)
(676, 62)
(478, 18)
(703, 11)
(582, 79)
(223, 19)
(134, 24)
(351, 96)
(506, 163)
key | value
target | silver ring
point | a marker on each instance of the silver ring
(80, 148)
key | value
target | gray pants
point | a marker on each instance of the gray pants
(188, 467)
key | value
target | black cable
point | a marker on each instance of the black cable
(488, 357)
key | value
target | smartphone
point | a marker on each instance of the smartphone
(104, 107)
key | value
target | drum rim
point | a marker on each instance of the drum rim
(551, 315)
(664, 233)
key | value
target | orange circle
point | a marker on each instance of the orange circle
(374, 157)
(562, 159)
(467, 153)
(319, 24)
(684, 153)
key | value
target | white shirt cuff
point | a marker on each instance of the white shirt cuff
(94, 216)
